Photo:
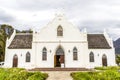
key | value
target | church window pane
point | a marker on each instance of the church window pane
(59, 31)
(91, 55)
(28, 57)
(75, 56)
(44, 54)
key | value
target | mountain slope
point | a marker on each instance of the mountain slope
(117, 46)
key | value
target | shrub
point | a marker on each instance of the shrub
(20, 74)
(102, 75)
(108, 68)
(3, 74)
(36, 76)
(81, 76)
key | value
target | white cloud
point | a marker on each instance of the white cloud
(114, 32)
(5, 16)
(93, 14)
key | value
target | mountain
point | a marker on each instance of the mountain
(117, 46)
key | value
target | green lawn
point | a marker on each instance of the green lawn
(105, 73)
(20, 74)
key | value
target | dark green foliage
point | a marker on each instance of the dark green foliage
(20, 74)
(24, 31)
(38, 76)
(5, 31)
(107, 73)
(108, 68)
(118, 59)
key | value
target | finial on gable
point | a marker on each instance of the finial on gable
(60, 13)
(85, 30)
(105, 32)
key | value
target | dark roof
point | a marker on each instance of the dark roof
(97, 41)
(21, 42)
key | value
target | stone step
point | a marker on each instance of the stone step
(60, 69)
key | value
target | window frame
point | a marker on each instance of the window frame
(28, 57)
(59, 31)
(91, 57)
(75, 54)
(44, 54)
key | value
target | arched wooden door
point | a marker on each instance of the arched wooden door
(104, 60)
(59, 57)
(15, 61)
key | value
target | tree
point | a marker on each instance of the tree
(24, 31)
(2, 46)
(5, 31)
(118, 59)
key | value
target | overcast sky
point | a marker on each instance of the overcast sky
(95, 15)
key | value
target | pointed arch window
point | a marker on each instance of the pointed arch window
(28, 57)
(59, 31)
(91, 57)
(44, 54)
(75, 56)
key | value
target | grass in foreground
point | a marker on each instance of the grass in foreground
(20, 74)
(107, 73)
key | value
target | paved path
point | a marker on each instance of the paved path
(59, 75)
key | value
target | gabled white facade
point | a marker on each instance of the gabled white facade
(47, 38)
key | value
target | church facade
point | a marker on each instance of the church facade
(59, 44)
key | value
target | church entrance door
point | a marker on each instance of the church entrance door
(104, 60)
(59, 58)
(15, 61)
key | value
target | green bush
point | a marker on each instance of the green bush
(102, 75)
(3, 74)
(36, 76)
(81, 76)
(20, 74)
(108, 68)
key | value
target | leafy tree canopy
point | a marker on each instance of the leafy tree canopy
(5, 31)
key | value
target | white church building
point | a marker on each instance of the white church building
(59, 44)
